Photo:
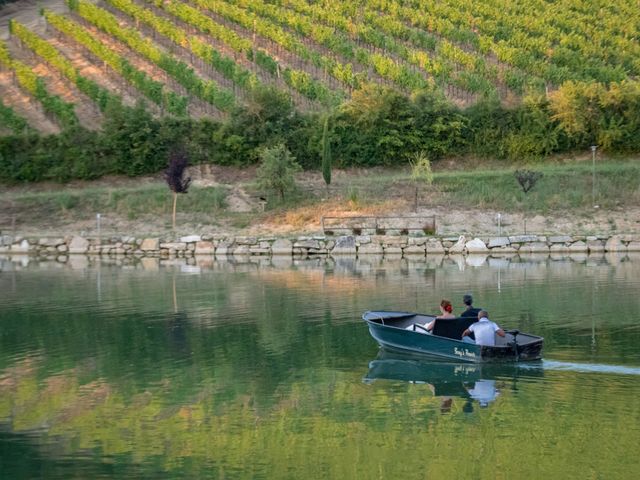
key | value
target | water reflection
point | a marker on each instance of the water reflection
(253, 369)
(480, 382)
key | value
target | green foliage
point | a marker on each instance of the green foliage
(421, 168)
(376, 127)
(592, 113)
(11, 120)
(277, 170)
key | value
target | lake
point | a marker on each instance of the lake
(261, 368)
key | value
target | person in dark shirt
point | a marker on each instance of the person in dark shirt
(469, 311)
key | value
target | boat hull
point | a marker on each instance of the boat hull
(389, 329)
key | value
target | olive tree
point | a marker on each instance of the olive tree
(527, 179)
(420, 174)
(277, 170)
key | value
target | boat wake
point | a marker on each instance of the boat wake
(584, 367)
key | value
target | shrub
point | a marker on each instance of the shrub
(277, 170)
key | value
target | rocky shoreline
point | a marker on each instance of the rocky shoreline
(316, 245)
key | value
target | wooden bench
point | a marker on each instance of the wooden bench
(379, 225)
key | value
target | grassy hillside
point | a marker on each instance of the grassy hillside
(207, 60)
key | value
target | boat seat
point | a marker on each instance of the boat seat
(452, 327)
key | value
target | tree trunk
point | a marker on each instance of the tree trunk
(175, 201)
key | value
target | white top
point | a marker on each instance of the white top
(485, 332)
(484, 391)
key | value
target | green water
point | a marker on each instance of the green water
(264, 370)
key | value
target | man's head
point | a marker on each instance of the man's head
(467, 300)
(482, 314)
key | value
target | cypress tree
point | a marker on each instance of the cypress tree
(326, 153)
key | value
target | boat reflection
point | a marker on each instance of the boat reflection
(478, 382)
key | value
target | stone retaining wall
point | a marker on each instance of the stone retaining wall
(220, 245)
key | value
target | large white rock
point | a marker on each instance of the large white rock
(458, 247)
(22, 247)
(476, 246)
(78, 245)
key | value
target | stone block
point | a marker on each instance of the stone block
(523, 238)
(150, 244)
(204, 248)
(595, 246)
(363, 239)
(415, 250)
(578, 247)
(50, 242)
(633, 246)
(256, 250)
(560, 239)
(6, 240)
(535, 247)
(307, 244)
(392, 250)
(241, 250)
(395, 241)
(373, 248)
(177, 246)
(78, 245)
(282, 246)
(246, 240)
(499, 242)
(345, 245)
(62, 248)
(434, 247)
(417, 241)
(191, 238)
(507, 249)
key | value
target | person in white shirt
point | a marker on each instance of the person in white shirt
(484, 330)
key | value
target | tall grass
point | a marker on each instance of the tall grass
(128, 202)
